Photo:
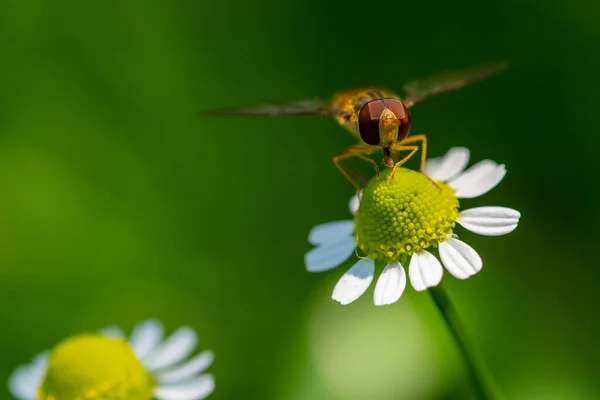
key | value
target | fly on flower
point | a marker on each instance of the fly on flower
(379, 118)
(107, 366)
(398, 222)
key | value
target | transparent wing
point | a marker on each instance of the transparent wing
(425, 88)
(302, 107)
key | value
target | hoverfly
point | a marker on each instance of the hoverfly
(378, 117)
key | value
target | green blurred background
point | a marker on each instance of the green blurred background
(120, 203)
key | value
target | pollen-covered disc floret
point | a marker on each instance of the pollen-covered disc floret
(95, 367)
(404, 215)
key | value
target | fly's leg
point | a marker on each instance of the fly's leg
(355, 151)
(414, 139)
(398, 147)
(402, 146)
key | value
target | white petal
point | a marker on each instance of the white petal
(354, 203)
(178, 346)
(390, 285)
(327, 256)
(354, 282)
(479, 179)
(450, 165)
(459, 258)
(145, 337)
(424, 271)
(113, 331)
(489, 221)
(194, 366)
(198, 389)
(330, 232)
(25, 381)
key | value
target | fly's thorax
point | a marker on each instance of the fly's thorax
(398, 217)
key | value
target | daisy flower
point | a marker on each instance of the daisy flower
(398, 221)
(106, 365)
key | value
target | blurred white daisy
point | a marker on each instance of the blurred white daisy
(107, 366)
(400, 219)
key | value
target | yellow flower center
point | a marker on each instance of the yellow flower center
(401, 216)
(95, 367)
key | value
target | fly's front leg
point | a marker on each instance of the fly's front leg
(413, 149)
(355, 151)
(414, 139)
(398, 147)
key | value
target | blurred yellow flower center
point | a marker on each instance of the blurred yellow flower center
(95, 367)
(405, 215)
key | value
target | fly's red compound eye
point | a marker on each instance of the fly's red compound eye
(368, 121)
(370, 115)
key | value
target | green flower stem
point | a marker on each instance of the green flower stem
(480, 377)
